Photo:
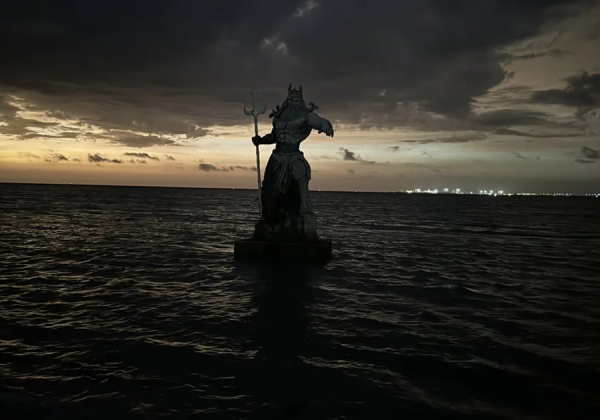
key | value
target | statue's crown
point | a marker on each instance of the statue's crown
(293, 93)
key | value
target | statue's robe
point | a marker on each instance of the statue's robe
(280, 195)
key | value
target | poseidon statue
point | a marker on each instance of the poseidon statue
(287, 214)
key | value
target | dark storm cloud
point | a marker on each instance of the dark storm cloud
(142, 155)
(581, 91)
(208, 167)
(97, 158)
(176, 68)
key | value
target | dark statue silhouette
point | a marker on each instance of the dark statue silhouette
(287, 214)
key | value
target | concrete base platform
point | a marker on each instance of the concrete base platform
(319, 250)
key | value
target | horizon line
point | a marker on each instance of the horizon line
(522, 194)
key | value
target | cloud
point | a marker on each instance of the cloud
(590, 153)
(97, 158)
(169, 157)
(24, 128)
(6, 109)
(142, 155)
(511, 117)
(208, 167)
(430, 59)
(58, 135)
(305, 8)
(555, 53)
(243, 168)
(351, 156)
(586, 155)
(56, 157)
(140, 161)
(197, 133)
(464, 138)
(581, 91)
(139, 140)
(511, 132)
(30, 155)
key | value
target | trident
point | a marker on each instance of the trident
(255, 113)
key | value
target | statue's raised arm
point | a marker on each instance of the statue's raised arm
(321, 124)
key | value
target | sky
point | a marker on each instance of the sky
(486, 94)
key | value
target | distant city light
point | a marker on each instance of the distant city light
(490, 193)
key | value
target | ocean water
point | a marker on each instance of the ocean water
(126, 302)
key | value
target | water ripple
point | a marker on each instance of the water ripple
(127, 302)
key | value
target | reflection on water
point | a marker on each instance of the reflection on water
(279, 326)
(281, 318)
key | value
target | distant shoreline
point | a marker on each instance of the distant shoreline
(519, 194)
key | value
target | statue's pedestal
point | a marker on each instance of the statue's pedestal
(292, 238)
(299, 228)
(319, 250)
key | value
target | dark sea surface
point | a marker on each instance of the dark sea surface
(124, 302)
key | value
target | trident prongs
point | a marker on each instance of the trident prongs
(254, 111)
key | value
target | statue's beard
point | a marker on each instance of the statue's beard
(293, 111)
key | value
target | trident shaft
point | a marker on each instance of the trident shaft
(255, 113)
